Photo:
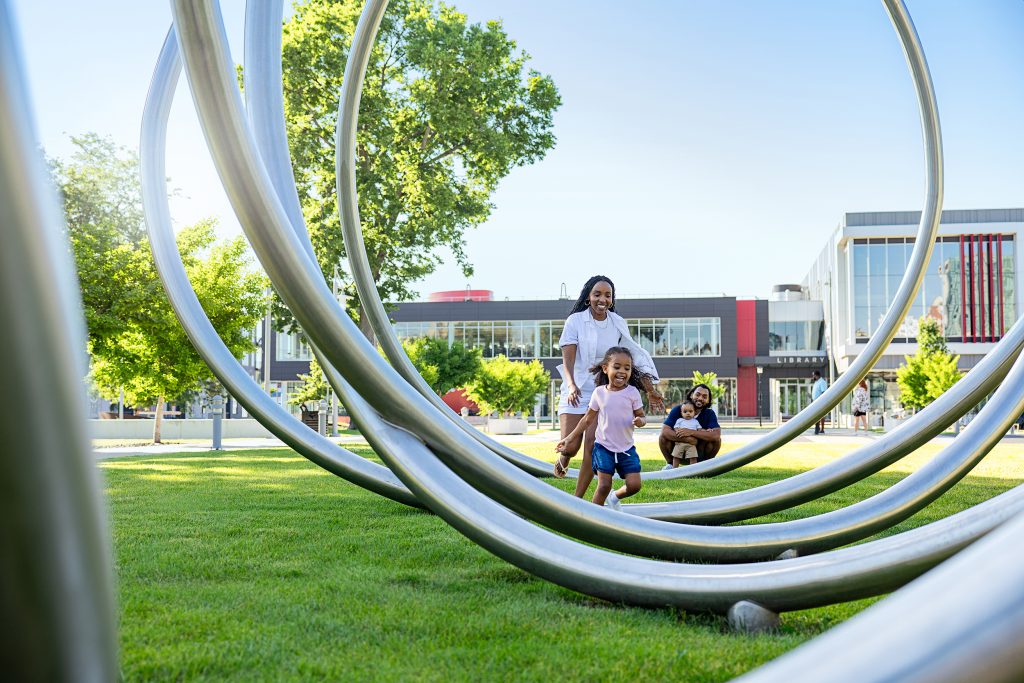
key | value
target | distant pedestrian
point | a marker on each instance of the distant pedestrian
(861, 406)
(818, 387)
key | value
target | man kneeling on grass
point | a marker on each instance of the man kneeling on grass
(708, 437)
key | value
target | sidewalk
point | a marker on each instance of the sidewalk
(647, 434)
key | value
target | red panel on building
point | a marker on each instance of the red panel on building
(746, 391)
(746, 345)
(746, 328)
(461, 295)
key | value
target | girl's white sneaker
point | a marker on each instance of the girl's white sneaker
(613, 502)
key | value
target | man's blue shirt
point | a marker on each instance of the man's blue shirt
(819, 387)
(706, 418)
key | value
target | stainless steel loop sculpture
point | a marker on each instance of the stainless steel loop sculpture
(348, 113)
(486, 490)
(56, 586)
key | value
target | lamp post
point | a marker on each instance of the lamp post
(760, 371)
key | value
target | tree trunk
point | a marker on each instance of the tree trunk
(364, 325)
(158, 419)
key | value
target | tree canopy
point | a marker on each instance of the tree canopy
(448, 109)
(931, 371)
(151, 358)
(135, 342)
(443, 367)
(508, 386)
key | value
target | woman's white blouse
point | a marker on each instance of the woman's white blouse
(593, 341)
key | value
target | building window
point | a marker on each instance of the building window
(968, 286)
(292, 347)
(796, 335)
(661, 337)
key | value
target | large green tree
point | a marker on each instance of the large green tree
(448, 109)
(102, 199)
(151, 358)
(931, 371)
(134, 340)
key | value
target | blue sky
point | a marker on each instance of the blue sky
(702, 146)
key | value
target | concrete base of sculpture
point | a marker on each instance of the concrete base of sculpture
(507, 425)
(749, 617)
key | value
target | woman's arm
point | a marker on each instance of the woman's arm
(569, 361)
(656, 400)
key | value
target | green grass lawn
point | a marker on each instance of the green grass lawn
(257, 565)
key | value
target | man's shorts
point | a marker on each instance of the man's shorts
(609, 462)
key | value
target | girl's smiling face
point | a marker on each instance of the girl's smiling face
(618, 368)
(601, 300)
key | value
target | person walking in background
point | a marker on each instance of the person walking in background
(818, 387)
(861, 406)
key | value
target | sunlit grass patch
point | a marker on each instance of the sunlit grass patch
(257, 565)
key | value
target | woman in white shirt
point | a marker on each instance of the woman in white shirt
(591, 329)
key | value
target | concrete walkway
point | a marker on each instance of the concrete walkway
(648, 434)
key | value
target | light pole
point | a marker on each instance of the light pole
(760, 371)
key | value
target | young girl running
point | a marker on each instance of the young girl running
(617, 407)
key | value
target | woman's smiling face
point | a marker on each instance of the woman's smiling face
(601, 299)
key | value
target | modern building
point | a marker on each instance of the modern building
(970, 286)
(728, 336)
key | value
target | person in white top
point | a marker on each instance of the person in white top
(591, 329)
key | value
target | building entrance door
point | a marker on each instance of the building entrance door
(789, 397)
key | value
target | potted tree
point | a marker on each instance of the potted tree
(506, 389)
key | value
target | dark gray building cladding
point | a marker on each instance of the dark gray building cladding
(723, 308)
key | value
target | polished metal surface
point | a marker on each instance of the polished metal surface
(348, 112)
(960, 622)
(854, 466)
(299, 282)
(923, 244)
(189, 311)
(56, 603)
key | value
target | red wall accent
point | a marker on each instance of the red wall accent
(746, 328)
(746, 391)
(746, 345)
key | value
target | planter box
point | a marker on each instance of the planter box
(507, 425)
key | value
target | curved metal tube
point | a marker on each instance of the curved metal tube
(950, 629)
(852, 467)
(266, 111)
(841, 575)
(152, 152)
(58, 604)
(348, 113)
(262, 216)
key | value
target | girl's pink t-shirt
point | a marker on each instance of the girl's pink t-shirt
(615, 416)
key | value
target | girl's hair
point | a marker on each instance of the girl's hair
(583, 303)
(863, 384)
(636, 377)
(688, 402)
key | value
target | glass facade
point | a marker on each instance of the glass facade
(292, 347)
(799, 335)
(663, 337)
(981, 311)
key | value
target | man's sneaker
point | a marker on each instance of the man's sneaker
(612, 501)
(667, 467)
